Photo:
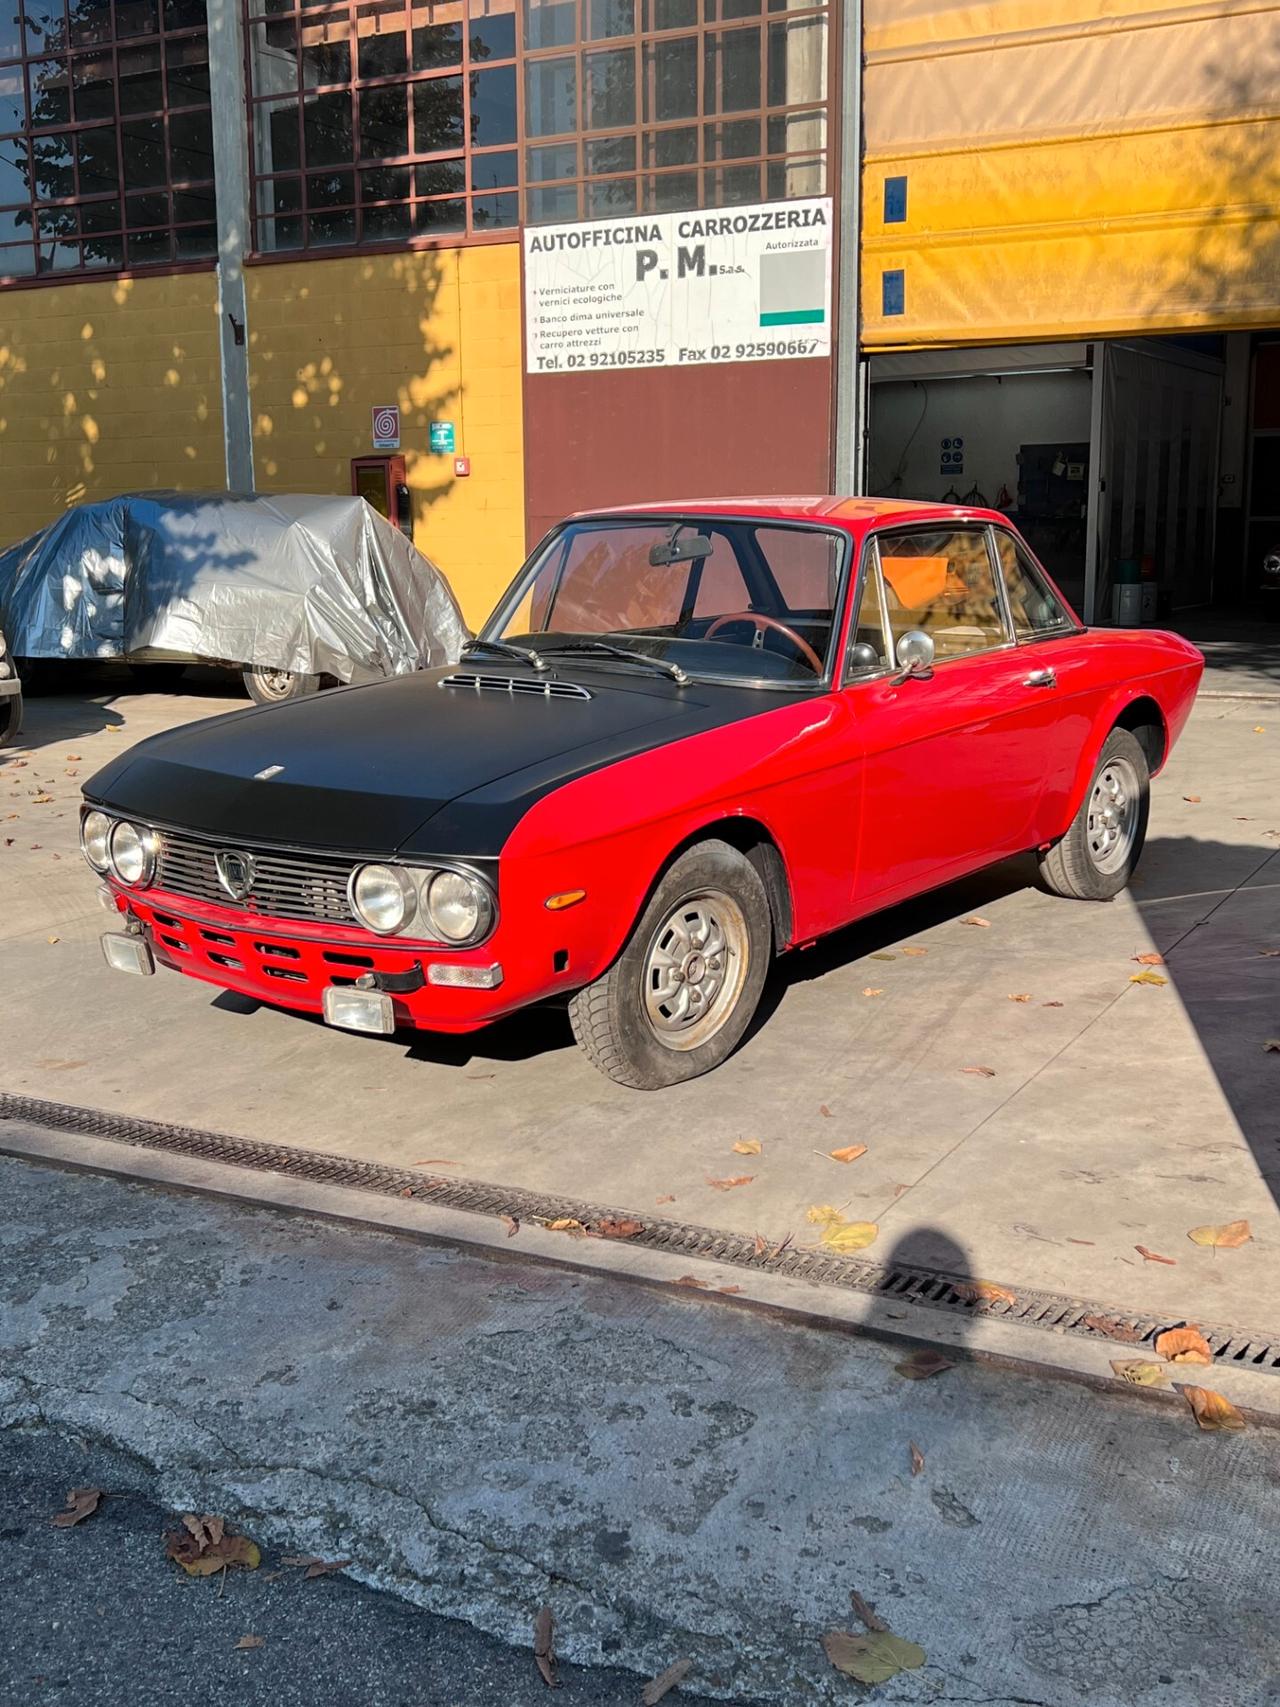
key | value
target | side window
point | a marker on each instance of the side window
(1034, 606)
(940, 580)
(868, 649)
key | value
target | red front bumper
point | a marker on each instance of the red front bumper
(292, 967)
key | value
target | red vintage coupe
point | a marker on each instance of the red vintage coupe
(692, 736)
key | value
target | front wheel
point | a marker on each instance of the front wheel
(1100, 852)
(277, 687)
(677, 1000)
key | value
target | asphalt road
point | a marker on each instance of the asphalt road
(96, 1615)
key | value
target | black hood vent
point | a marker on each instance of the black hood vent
(547, 689)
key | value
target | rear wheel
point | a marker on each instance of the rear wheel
(677, 1000)
(1101, 850)
(276, 687)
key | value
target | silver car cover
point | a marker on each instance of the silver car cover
(317, 585)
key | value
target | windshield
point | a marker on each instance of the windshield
(742, 600)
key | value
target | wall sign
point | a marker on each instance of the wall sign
(442, 438)
(386, 427)
(679, 289)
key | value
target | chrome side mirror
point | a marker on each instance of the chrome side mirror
(914, 653)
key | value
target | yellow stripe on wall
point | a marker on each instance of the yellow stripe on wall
(106, 387)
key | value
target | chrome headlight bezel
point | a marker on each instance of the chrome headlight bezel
(103, 865)
(147, 848)
(398, 880)
(476, 897)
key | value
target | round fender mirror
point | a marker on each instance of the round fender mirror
(914, 652)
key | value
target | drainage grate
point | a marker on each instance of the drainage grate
(921, 1286)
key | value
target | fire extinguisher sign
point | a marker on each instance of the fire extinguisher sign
(386, 427)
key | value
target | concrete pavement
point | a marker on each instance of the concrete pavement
(480, 1436)
(1116, 1115)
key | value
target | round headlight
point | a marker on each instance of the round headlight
(95, 829)
(133, 853)
(458, 907)
(382, 897)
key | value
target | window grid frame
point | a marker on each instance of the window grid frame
(68, 56)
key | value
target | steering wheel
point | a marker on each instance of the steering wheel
(762, 622)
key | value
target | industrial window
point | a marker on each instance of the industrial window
(106, 154)
(382, 121)
(636, 106)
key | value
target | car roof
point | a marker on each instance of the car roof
(851, 512)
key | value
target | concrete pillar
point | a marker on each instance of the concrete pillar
(231, 185)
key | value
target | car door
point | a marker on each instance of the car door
(952, 760)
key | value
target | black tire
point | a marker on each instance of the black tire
(611, 1018)
(1079, 867)
(158, 678)
(10, 718)
(277, 687)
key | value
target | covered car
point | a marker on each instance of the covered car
(295, 590)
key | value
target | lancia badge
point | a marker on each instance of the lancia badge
(236, 872)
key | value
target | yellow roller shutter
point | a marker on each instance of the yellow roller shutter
(1049, 169)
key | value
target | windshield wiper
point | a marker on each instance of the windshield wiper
(525, 654)
(623, 652)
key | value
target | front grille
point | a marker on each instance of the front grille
(544, 689)
(285, 886)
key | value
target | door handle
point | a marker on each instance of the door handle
(1041, 679)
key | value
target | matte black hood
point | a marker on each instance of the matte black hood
(367, 769)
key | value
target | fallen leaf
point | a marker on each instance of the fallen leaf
(1137, 1372)
(1184, 1345)
(1270, 953)
(624, 1227)
(981, 1072)
(915, 952)
(42, 799)
(1148, 959)
(81, 1503)
(778, 1249)
(52, 939)
(729, 1291)
(1271, 1046)
(747, 1147)
(252, 1642)
(923, 1363)
(73, 758)
(1052, 1004)
(406, 1191)
(1154, 1256)
(1259, 728)
(983, 924)
(850, 1153)
(566, 1224)
(1146, 978)
(824, 1111)
(870, 992)
(1194, 799)
(983, 1292)
(322, 1568)
(881, 957)
(203, 1547)
(667, 1197)
(1229, 1237)
(693, 1280)
(1072, 1241)
(729, 1184)
(544, 1652)
(820, 1214)
(864, 1610)
(873, 1658)
(434, 1162)
(850, 1235)
(1210, 1409)
(657, 1687)
(917, 1458)
(762, 1244)
(1022, 996)
(511, 1224)
(1109, 1326)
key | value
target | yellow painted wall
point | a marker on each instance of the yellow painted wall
(106, 387)
(1073, 167)
(437, 332)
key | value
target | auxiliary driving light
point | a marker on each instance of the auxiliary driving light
(359, 1010)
